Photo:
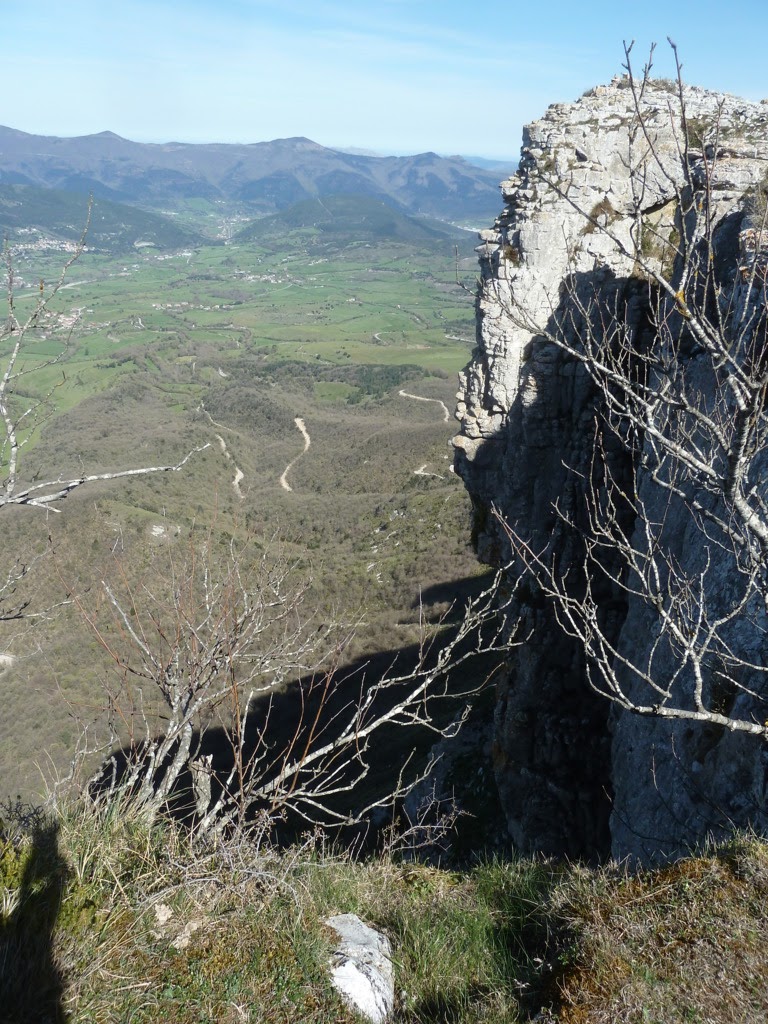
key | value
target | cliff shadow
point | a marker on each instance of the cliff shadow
(577, 773)
(288, 723)
(553, 743)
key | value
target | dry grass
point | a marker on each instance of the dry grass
(685, 943)
(105, 919)
(117, 921)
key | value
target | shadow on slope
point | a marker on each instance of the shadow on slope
(286, 725)
(34, 876)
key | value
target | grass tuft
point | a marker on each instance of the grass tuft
(104, 918)
(682, 943)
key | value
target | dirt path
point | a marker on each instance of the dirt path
(75, 284)
(418, 398)
(239, 475)
(422, 471)
(238, 472)
(304, 433)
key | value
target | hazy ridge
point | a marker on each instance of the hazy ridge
(258, 178)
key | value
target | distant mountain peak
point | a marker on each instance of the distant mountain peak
(253, 179)
(5, 130)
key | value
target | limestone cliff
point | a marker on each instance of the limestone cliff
(576, 774)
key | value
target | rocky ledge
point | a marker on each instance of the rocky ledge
(577, 775)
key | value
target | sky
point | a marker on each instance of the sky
(390, 76)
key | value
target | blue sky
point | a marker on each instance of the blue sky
(394, 76)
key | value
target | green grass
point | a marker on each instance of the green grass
(212, 302)
(120, 921)
(143, 361)
(107, 918)
(335, 391)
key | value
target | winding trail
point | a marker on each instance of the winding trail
(419, 398)
(422, 471)
(304, 433)
(239, 475)
(238, 472)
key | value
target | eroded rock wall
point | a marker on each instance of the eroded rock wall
(576, 775)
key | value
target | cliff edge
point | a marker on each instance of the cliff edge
(628, 219)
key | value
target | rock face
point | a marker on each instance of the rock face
(577, 775)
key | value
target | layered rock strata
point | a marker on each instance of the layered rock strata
(577, 776)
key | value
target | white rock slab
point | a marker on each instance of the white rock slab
(361, 968)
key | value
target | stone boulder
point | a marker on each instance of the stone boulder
(361, 968)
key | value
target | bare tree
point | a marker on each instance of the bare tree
(681, 530)
(207, 645)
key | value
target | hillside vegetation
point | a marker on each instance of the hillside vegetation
(340, 218)
(226, 346)
(34, 215)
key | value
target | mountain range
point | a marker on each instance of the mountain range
(252, 180)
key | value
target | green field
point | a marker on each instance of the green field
(227, 346)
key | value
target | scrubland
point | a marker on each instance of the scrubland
(226, 346)
(106, 917)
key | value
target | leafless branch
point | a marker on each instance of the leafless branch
(207, 647)
(21, 417)
(683, 529)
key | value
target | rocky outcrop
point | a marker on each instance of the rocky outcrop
(576, 775)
